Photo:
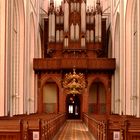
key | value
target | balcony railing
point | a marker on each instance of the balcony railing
(78, 63)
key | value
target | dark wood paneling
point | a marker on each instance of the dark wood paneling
(134, 136)
(9, 136)
(69, 63)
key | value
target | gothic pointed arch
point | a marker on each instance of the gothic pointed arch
(102, 79)
(97, 98)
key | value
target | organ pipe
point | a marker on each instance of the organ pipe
(66, 42)
(57, 19)
(91, 36)
(57, 36)
(78, 7)
(75, 6)
(98, 26)
(66, 17)
(83, 42)
(77, 32)
(72, 7)
(83, 17)
(50, 24)
(87, 19)
(61, 19)
(61, 36)
(91, 19)
(53, 27)
(87, 34)
(72, 32)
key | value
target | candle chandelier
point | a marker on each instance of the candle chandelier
(74, 83)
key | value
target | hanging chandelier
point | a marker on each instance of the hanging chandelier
(74, 83)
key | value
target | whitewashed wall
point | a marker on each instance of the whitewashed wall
(125, 98)
(19, 44)
(118, 52)
(32, 50)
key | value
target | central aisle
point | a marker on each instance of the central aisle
(74, 130)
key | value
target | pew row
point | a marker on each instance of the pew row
(44, 126)
(13, 129)
(112, 127)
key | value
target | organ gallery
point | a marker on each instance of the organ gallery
(74, 45)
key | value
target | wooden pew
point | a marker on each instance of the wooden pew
(13, 129)
(49, 127)
(97, 128)
(133, 129)
(21, 127)
(46, 124)
(104, 127)
(34, 123)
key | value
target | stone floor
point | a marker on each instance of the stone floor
(74, 130)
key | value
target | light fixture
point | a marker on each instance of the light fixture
(74, 83)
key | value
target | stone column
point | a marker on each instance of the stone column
(123, 96)
(138, 53)
(2, 55)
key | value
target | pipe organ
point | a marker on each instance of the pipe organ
(75, 38)
(74, 23)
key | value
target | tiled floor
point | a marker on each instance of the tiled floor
(74, 130)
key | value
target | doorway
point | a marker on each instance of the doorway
(73, 106)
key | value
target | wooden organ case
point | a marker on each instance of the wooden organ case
(75, 37)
